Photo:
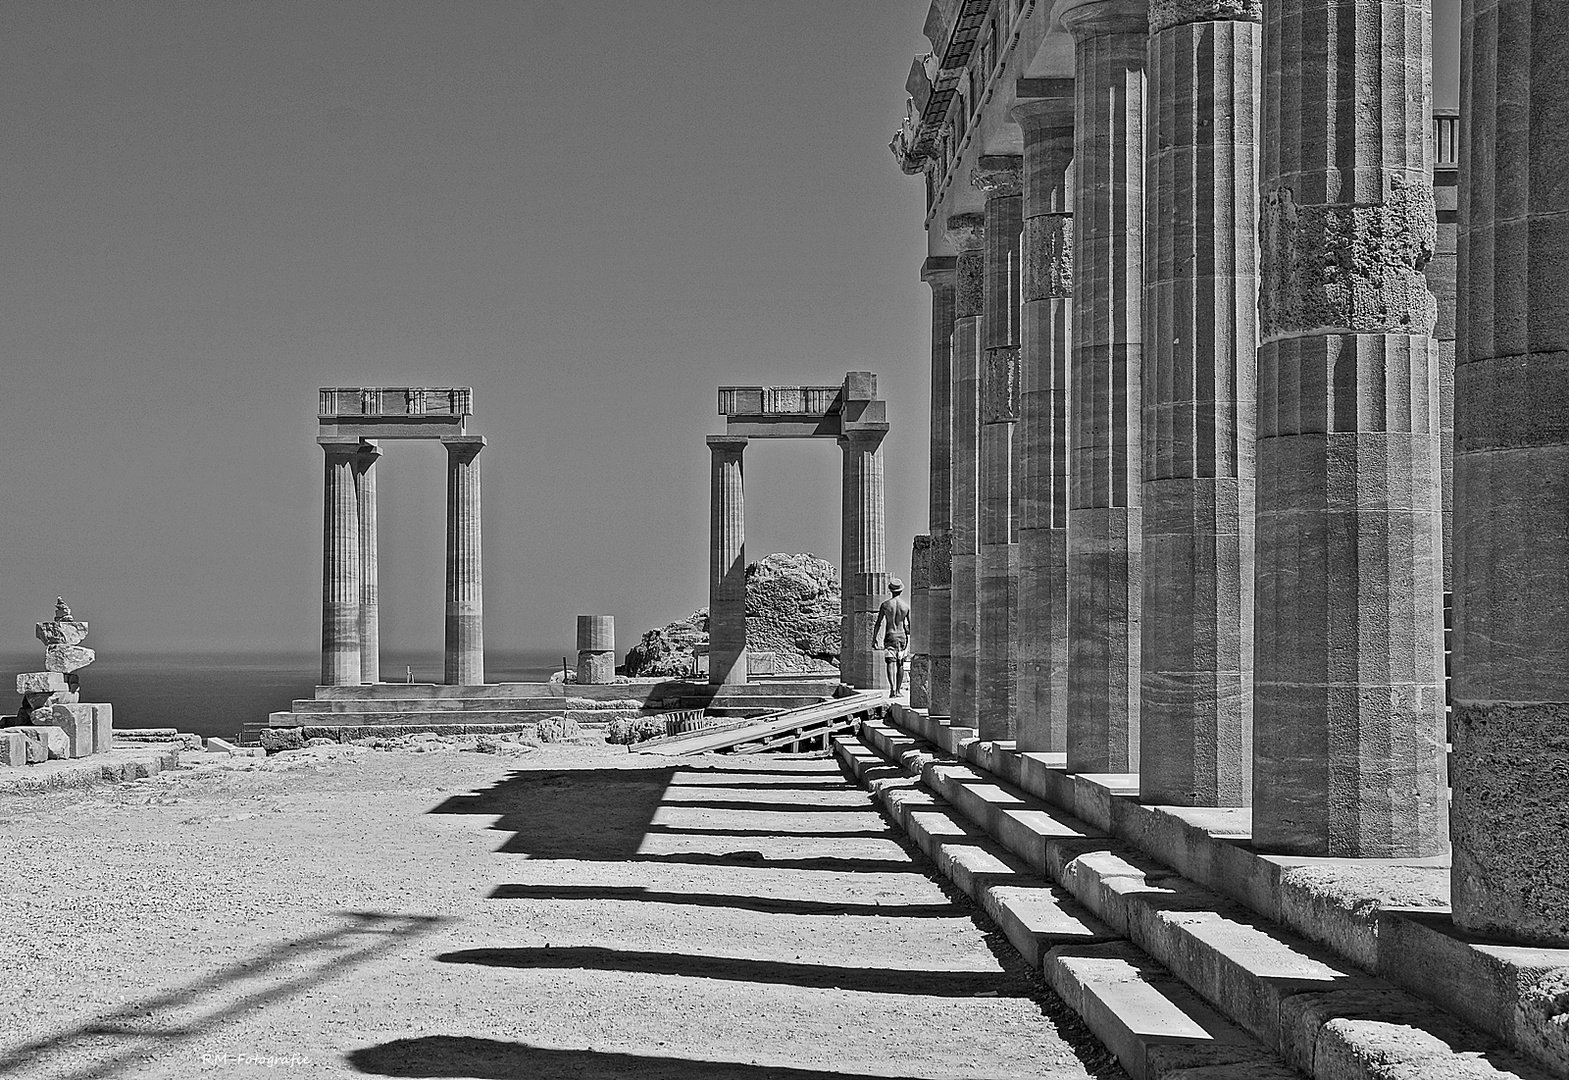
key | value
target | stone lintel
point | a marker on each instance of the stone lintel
(1164, 14)
(355, 429)
(783, 427)
(999, 176)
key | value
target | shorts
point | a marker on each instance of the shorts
(895, 642)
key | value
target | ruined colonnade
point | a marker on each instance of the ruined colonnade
(1226, 479)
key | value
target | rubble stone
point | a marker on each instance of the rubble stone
(64, 658)
(75, 720)
(69, 632)
(43, 682)
(13, 748)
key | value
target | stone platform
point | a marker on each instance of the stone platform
(119, 763)
(1312, 961)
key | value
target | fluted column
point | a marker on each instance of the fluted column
(999, 178)
(465, 637)
(370, 604)
(1199, 388)
(1045, 344)
(967, 233)
(1104, 521)
(863, 561)
(931, 624)
(727, 661)
(1510, 876)
(1348, 699)
(340, 571)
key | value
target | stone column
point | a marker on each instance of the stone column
(370, 604)
(1000, 179)
(1104, 521)
(863, 573)
(1348, 755)
(1511, 569)
(340, 571)
(1441, 272)
(933, 627)
(465, 582)
(1199, 387)
(1045, 342)
(727, 562)
(596, 649)
(967, 233)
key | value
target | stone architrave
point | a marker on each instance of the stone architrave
(864, 566)
(1000, 179)
(967, 234)
(1045, 344)
(1348, 698)
(1104, 519)
(727, 562)
(465, 629)
(1510, 781)
(934, 631)
(340, 574)
(370, 602)
(1199, 389)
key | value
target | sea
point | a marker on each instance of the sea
(218, 693)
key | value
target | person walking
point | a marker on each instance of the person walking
(893, 620)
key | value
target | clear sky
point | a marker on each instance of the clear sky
(592, 212)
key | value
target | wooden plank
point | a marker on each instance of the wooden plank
(763, 727)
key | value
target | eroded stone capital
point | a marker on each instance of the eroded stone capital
(1000, 386)
(1047, 255)
(727, 445)
(1050, 110)
(966, 232)
(1347, 267)
(1092, 18)
(999, 176)
(1164, 14)
(938, 270)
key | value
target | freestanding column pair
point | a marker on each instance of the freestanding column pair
(350, 602)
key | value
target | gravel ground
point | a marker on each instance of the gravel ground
(573, 912)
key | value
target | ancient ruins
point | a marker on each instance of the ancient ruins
(53, 721)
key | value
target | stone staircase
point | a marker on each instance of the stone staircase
(1184, 950)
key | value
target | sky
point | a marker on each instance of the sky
(593, 213)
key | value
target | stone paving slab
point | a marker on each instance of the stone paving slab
(121, 763)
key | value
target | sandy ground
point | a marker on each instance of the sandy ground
(576, 912)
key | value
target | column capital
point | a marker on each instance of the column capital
(1164, 14)
(732, 444)
(338, 446)
(463, 445)
(966, 232)
(938, 270)
(999, 176)
(1092, 18)
(864, 436)
(368, 452)
(1044, 105)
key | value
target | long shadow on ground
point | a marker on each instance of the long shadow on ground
(493, 1059)
(771, 905)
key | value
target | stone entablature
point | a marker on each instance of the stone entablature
(340, 401)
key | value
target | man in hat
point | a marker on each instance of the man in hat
(893, 619)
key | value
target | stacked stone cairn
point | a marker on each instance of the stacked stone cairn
(52, 721)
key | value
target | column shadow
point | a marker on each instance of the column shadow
(768, 904)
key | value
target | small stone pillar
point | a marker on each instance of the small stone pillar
(1510, 781)
(465, 631)
(341, 567)
(727, 661)
(1045, 348)
(863, 572)
(1200, 379)
(370, 602)
(931, 692)
(1105, 538)
(967, 233)
(1000, 178)
(1348, 748)
(596, 649)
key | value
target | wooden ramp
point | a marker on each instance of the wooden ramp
(788, 728)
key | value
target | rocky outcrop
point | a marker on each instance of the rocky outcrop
(792, 623)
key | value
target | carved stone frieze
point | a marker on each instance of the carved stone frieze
(999, 176)
(1047, 253)
(1345, 267)
(1000, 386)
(1165, 14)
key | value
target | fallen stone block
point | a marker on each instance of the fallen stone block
(75, 720)
(64, 658)
(66, 632)
(103, 726)
(14, 748)
(37, 748)
(274, 740)
(43, 682)
(53, 742)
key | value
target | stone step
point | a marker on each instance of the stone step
(1282, 989)
(1154, 1025)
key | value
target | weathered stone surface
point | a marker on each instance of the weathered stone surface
(1000, 386)
(864, 577)
(53, 697)
(596, 668)
(103, 727)
(967, 233)
(14, 749)
(464, 635)
(1164, 14)
(44, 682)
(341, 585)
(793, 613)
(1048, 257)
(62, 633)
(77, 721)
(54, 741)
(66, 658)
(964, 611)
(276, 740)
(727, 659)
(668, 651)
